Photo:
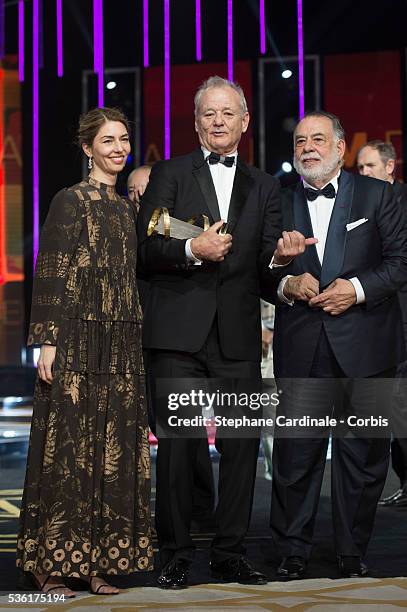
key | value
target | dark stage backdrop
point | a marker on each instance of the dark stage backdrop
(184, 82)
(364, 90)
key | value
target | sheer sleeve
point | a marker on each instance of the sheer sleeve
(58, 243)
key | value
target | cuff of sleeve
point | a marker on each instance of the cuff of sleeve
(276, 265)
(43, 333)
(280, 291)
(189, 254)
(360, 294)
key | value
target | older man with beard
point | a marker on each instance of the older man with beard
(337, 323)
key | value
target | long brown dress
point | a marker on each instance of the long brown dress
(85, 508)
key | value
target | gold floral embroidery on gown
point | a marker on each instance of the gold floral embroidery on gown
(85, 507)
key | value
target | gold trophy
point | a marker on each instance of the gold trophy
(170, 227)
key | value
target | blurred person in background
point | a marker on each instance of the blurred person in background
(267, 374)
(137, 182)
(377, 159)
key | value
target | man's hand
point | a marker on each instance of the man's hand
(301, 287)
(45, 362)
(336, 298)
(266, 338)
(289, 246)
(210, 245)
(139, 192)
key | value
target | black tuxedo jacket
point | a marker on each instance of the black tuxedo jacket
(400, 191)
(367, 338)
(184, 298)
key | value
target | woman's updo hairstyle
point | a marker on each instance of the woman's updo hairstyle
(91, 122)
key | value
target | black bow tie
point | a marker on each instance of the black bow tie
(328, 191)
(215, 158)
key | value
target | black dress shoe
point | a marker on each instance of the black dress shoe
(398, 499)
(352, 567)
(292, 568)
(237, 570)
(174, 575)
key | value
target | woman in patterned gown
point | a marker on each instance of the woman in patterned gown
(85, 509)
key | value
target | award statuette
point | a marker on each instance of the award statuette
(170, 227)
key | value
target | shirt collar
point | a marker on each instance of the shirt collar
(333, 181)
(206, 154)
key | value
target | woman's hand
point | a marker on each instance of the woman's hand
(45, 362)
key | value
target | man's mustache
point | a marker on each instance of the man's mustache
(309, 157)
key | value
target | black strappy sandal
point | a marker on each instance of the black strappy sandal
(101, 586)
(40, 586)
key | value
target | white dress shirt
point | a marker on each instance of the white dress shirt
(223, 177)
(320, 211)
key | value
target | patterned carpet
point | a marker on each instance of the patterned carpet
(324, 595)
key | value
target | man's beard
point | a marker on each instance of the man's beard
(322, 170)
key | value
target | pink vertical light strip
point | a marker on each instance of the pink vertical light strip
(2, 30)
(145, 34)
(21, 40)
(41, 33)
(60, 56)
(300, 59)
(95, 36)
(167, 83)
(36, 58)
(230, 40)
(98, 47)
(198, 31)
(101, 89)
(262, 28)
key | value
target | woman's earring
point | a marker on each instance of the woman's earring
(90, 163)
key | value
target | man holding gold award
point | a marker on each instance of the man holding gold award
(203, 315)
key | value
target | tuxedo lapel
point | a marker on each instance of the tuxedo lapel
(242, 185)
(203, 176)
(336, 238)
(302, 223)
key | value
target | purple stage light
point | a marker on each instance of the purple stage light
(95, 36)
(101, 91)
(2, 30)
(36, 49)
(262, 28)
(167, 83)
(198, 34)
(21, 40)
(300, 59)
(145, 33)
(60, 57)
(98, 47)
(41, 33)
(230, 40)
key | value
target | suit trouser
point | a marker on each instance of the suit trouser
(177, 457)
(399, 426)
(359, 463)
(204, 486)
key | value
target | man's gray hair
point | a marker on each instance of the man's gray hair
(385, 149)
(217, 81)
(336, 124)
